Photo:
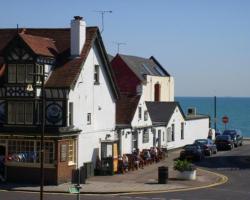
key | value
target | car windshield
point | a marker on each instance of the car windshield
(229, 132)
(190, 147)
(201, 141)
(222, 137)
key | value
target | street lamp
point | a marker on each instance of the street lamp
(30, 89)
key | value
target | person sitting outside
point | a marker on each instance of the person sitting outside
(125, 162)
(147, 156)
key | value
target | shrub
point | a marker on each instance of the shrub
(183, 165)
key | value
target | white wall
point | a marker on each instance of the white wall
(176, 119)
(97, 100)
(126, 141)
(138, 123)
(196, 129)
(166, 88)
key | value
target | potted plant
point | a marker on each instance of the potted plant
(185, 170)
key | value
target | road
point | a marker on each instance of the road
(234, 164)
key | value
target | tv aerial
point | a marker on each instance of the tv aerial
(103, 12)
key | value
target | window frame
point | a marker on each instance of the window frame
(17, 112)
(71, 152)
(182, 130)
(145, 136)
(173, 132)
(88, 118)
(71, 113)
(96, 74)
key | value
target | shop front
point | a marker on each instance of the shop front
(21, 159)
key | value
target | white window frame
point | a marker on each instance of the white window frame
(71, 152)
(139, 112)
(97, 74)
(88, 118)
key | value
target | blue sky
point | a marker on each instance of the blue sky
(204, 44)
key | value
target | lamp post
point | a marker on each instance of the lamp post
(30, 89)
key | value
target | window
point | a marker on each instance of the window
(89, 118)
(97, 74)
(173, 132)
(28, 151)
(145, 115)
(70, 113)
(20, 73)
(163, 136)
(71, 151)
(12, 73)
(39, 70)
(145, 136)
(29, 73)
(20, 112)
(169, 134)
(139, 113)
(157, 92)
(182, 130)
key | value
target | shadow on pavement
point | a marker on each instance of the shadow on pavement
(226, 162)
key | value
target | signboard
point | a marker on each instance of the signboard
(63, 153)
(74, 190)
(225, 119)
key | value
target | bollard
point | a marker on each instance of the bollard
(162, 175)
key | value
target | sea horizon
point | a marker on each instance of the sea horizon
(236, 108)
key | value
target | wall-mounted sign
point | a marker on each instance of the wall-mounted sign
(63, 153)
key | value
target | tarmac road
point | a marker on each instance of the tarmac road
(234, 164)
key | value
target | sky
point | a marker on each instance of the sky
(204, 44)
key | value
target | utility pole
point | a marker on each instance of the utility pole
(215, 113)
(103, 12)
(118, 45)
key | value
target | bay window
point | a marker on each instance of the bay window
(20, 73)
(20, 112)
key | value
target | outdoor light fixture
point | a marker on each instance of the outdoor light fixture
(30, 89)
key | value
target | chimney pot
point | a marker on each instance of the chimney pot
(78, 17)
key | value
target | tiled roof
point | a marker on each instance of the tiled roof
(56, 42)
(40, 45)
(144, 66)
(161, 112)
(125, 109)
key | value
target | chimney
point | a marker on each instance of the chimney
(77, 35)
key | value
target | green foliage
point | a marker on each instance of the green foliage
(183, 165)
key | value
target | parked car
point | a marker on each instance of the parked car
(236, 136)
(217, 133)
(224, 142)
(207, 146)
(193, 152)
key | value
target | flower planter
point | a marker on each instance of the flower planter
(186, 175)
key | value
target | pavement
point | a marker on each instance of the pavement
(138, 181)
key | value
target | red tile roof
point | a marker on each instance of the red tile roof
(125, 109)
(51, 42)
(40, 45)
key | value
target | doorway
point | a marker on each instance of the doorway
(2, 162)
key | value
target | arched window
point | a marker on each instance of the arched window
(157, 92)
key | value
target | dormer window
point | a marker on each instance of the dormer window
(20, 73)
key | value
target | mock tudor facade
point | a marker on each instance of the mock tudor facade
(80, 97)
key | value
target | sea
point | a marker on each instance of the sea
(237, 109)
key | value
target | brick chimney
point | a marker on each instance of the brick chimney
(77, 35)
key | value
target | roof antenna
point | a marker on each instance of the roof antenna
(17, 28)
(102, 12)
(118, 45)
